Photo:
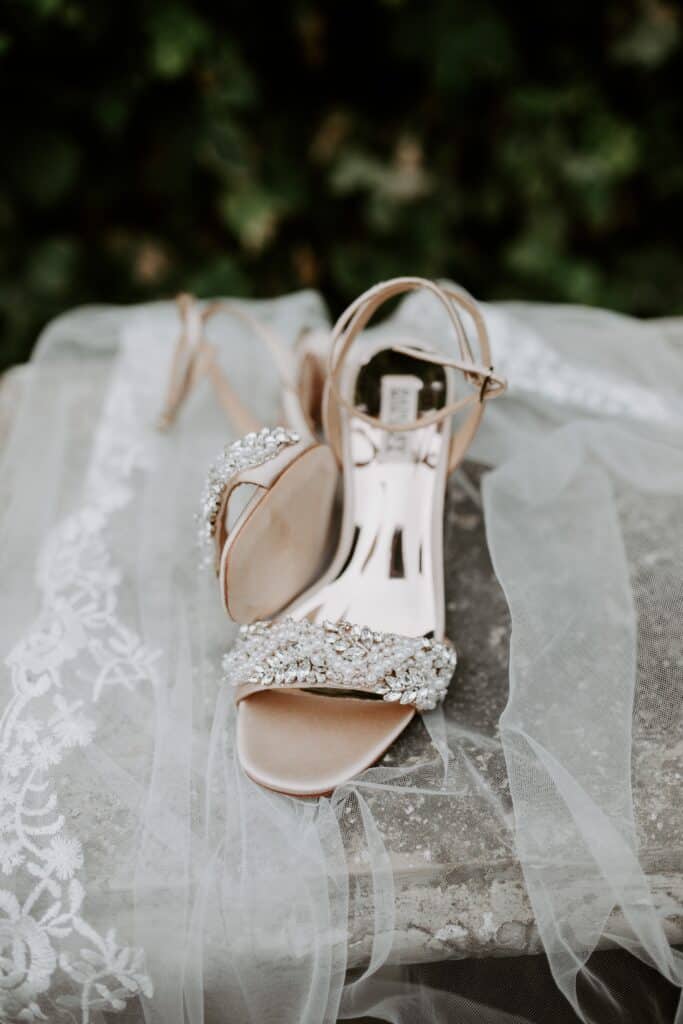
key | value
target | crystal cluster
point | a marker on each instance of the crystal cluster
(287, 652)
(250, 451)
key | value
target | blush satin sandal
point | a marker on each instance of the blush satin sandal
(371, 631)
(268, 503)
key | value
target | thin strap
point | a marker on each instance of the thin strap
(272, 341)
(487, 383)
(196, 357)
(183, 363)
(490, 385)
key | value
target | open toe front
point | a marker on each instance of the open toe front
(307, 744)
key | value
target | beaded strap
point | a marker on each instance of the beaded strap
(246, 453)
(339, 655)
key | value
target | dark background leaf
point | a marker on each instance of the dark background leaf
(527, 152)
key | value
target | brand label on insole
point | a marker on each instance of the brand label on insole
(400, 397)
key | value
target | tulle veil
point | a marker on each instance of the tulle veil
(140, 871)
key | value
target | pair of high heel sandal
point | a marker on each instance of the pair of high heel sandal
(384, 415)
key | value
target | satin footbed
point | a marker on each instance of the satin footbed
(307, 744)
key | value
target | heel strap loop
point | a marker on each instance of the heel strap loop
(488, 384)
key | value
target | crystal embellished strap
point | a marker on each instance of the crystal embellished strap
(339, 655)
(247, 453)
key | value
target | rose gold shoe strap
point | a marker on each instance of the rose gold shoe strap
(487, 383)
(195, 357)
(183, 368)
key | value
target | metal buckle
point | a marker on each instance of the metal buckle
(485, 384)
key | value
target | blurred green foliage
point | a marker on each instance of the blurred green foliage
(528, 150)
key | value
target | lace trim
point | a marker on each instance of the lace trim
(44, 720)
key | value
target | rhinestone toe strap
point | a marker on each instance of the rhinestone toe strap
(339, 655)
(247, 453)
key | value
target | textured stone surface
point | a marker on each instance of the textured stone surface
(459, 887)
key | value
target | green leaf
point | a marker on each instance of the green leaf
(176, 34)
(252, 213)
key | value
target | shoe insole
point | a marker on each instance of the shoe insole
(277, 546)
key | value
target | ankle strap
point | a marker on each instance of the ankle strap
(487, 384)
(195, 357)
